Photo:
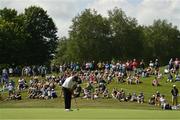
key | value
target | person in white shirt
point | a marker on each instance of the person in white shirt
(68, 86)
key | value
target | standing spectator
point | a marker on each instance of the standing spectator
(176, 65)
(11, 71)
(174, 93)
(10, 89)
(21, 83)
(171, 64)
(142, 65)
(156, 66)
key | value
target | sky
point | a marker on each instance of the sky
(62, 11)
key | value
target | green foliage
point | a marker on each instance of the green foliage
(28, 38)
(89, 37)
(93, 37)
(126, 35)
(161, 41)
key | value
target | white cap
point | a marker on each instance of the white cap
(174, 85)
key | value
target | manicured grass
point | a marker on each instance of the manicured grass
(86, 114)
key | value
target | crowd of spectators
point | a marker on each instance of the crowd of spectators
(97, 76)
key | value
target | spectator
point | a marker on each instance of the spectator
(176, 65)
(174, 93)
(17, 96)
(134, 97)
(163, 101)
(53, 94)
(77, 91)
(140, 98)
(155, 82)
(177, 77)
(170, 77)
(21, 83)
(128, 97)
(152, 100)
(10, 89)
(157, 98)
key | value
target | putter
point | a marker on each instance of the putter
(76, 104)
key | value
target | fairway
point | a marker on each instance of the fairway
(86, 114)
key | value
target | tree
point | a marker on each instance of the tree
(161, 41)
(42, 39)
(126, 35)
(89, 37)
(28, 38)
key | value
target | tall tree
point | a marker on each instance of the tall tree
(28, 38)
(42, 38)
(126, 35)
(161, 41)
(89, 37)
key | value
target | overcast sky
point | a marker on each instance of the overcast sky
(62, 11)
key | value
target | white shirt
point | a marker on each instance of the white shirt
(162, 100)
(69, 83)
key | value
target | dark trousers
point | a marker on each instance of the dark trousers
(67, 98)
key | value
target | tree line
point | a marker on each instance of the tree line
(93, 37)
(28, 38)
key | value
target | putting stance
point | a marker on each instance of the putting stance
(68, 86)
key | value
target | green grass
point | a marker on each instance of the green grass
(86, 114)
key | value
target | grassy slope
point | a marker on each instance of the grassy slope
(86, 114)
(146, 87)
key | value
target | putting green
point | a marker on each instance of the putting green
(86, 114)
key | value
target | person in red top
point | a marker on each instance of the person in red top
(134, 64)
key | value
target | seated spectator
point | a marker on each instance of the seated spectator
(134, 97)
(129, 79)
(155, 82)
(121, 95)
(77, 91)
(18, 96)
(152, 100)
(167, 107)
(128, 97)
(102, 87)
(114, 93)
(53, 94)
(12, 82)
(106, 93)
(157, 98)
(140, 98)
(137, 79)
(87, 93)
(177, 77)
(109, 78)
(159, 76)
(95, 95)
(162, 101)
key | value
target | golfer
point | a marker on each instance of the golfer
(174, 93)
(68, 86)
